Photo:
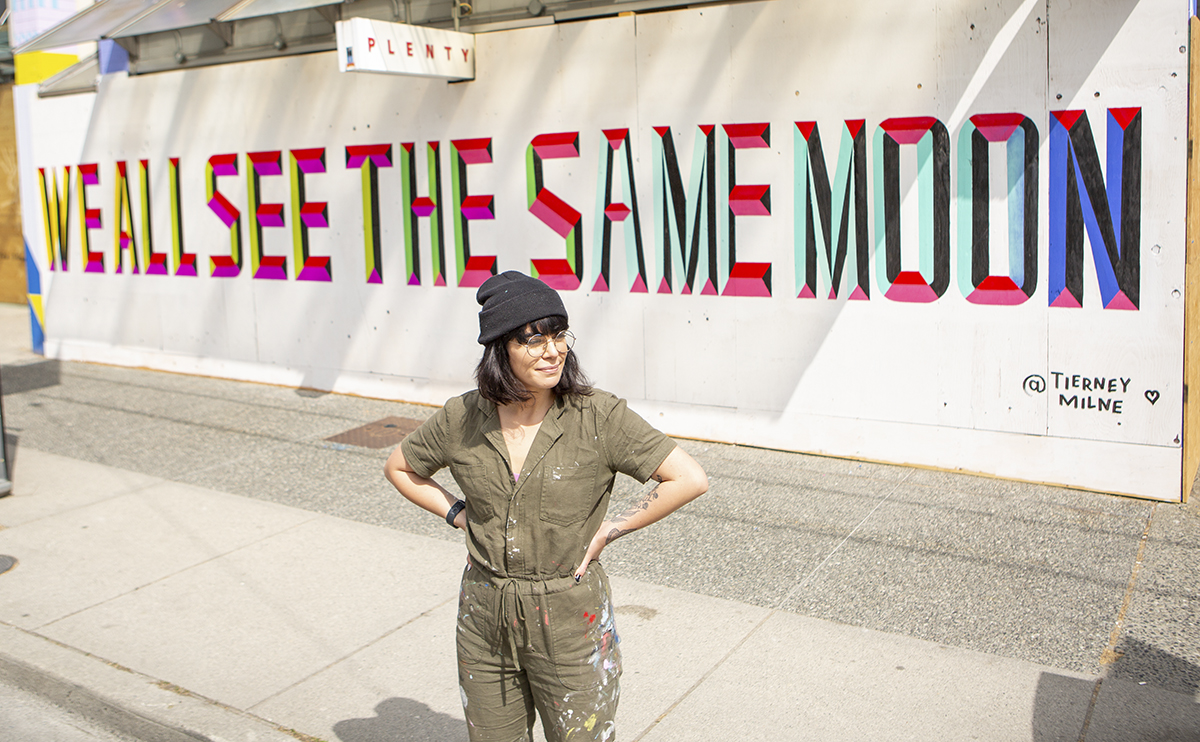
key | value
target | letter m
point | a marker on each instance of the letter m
(1080, 201)
(817, 211)
(56, 206)
(685, 223)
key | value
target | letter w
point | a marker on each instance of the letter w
(813, 194)
(56, 206)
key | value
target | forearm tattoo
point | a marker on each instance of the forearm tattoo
(615, 534)
(642, 505)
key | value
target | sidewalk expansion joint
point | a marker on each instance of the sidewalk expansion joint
(1111, 654)
(842, 543)
(348, 655)
(706, 675)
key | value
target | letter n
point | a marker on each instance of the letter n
(815, 200)
(1080, 202)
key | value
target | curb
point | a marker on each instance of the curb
(122, 700)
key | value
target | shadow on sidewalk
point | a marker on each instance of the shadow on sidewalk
(402, 720)
(1147, 694)
(26, 377)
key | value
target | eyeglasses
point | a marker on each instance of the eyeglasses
(537, 345)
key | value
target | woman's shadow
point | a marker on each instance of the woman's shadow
(402, 720)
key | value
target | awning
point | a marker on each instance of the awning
(258, 8)
(110, 19)
(172, 15)
(90, 24)
(80, 77)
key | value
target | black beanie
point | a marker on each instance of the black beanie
(511, 300)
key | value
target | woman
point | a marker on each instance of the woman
(535, 451)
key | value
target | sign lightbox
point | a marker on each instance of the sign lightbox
(366, 45)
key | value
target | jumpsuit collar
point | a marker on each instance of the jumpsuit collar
(550, 431)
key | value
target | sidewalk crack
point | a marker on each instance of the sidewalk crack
(842, 543)
(348, 655)
(1110, 654)
(705, 676)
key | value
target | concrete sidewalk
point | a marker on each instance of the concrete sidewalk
(152, 595)
(198, 560)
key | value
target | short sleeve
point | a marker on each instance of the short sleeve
(426, 447)
(632, 445)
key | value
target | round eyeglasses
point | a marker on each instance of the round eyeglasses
(537, 345)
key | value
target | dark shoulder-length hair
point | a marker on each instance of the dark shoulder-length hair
(495, 377)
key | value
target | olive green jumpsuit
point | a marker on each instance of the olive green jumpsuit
(530, 637)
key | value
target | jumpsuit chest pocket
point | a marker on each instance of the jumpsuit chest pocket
(480, 490)
(568, 493)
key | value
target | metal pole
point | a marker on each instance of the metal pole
(5, 471)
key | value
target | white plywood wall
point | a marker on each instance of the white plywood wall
(1087, 395)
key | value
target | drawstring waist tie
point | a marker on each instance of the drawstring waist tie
(517, 598)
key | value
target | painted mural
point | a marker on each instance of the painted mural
(963, 249)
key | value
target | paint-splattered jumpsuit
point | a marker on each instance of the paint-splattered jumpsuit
(530, 637)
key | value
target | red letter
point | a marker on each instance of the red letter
(464, 51)
(370, 43)
(566, 273)
(390, 47)
(409, 45)
(447, 54)
(429, 51)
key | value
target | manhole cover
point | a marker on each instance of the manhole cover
(380, 434)
(6, 563)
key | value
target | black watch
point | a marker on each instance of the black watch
(453, 512)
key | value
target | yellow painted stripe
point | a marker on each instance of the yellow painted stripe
(37, 66)
(35, 303)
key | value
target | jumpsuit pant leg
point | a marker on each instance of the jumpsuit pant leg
(561, 635)
(575, 678)
(496, 698)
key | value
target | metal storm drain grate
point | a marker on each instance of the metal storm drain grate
(380, 434)
(6, 563)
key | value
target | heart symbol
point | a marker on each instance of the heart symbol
(1152, 395)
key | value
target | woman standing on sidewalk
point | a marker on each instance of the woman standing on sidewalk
(535, 450)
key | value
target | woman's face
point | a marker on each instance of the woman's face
(536, 368)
